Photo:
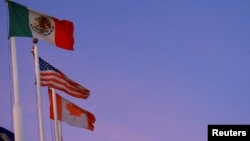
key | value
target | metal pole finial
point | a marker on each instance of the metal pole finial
(35, 40)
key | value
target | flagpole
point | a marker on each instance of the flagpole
(17, 109)
(55, 114)
(60, 131)
(38, 90)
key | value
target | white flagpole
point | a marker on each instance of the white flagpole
(60, 131)
(38, 91)
(17, 109)
(55, 115)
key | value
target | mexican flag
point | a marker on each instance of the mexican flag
(25, 22)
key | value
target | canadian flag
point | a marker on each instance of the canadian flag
(71, 114)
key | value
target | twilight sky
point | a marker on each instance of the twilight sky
(157, 69)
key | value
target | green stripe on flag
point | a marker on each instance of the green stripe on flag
(18, 20)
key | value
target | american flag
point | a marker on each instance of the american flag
(54, 78)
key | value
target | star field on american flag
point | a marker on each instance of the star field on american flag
(46, 66)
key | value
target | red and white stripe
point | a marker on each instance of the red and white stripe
(61, 82)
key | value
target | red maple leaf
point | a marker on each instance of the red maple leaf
(74, 110)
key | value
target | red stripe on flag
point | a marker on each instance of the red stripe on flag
(64, 34)
(58, 103)
(91, 120)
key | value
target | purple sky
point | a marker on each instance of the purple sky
(157, 69)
